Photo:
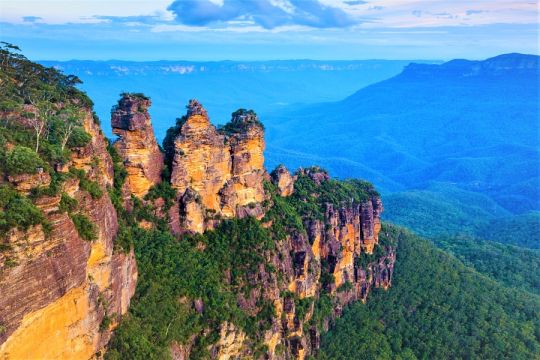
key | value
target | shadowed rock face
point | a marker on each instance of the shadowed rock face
(136, 143)
(225, 168)
(59, 287)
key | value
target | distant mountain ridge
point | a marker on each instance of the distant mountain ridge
(122, 67)
(498, 65)
(223, 85)
(473, 124)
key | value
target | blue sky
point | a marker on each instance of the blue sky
(269, 29)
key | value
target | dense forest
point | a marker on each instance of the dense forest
(437, 308)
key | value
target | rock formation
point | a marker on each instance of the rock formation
(62, 295)
(283, 180)
(224, 168)
(136, 143)
(328, 259)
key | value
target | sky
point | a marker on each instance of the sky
(269, 29)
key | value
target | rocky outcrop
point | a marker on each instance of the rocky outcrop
(282, 178)
(136, 143)
(24, 183)
(224, 168)
(62, 295)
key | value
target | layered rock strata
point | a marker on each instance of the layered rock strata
(62, 295)
(330, 260)
(220, 172)
(136, 143)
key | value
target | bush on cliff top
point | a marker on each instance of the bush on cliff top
(51, 125)
(310, 198)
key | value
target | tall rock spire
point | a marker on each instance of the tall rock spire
(136, 143)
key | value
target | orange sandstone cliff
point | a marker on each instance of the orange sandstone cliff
(60, 295)
(218, 173)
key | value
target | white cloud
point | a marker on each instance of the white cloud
(389, 14)
(79, 11)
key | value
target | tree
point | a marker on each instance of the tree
(70, 119)
(41, 117)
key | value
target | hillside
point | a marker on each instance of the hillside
(512, 266)
(429, 123)
(437, 309)
(442, 209)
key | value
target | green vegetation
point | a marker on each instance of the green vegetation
(162, 190)
(441, 210)
(22, 160)
(521, 230)
(17, 211)
(43, 119)
(212, 269)
(91, 186)
(310, 198)
(136, 95)
(168, 141)
(67, 203)
(242, 119)
(437, 308)
(171, 270)
(446, 211)
(53, 113)
(512, 266)
(85, 228)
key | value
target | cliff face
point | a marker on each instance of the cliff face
(218, 173)
(136, 143)
(307, 279)
(332, 259)
(60, 291)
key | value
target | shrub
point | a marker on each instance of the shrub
(92, 187)
(67, 203)
(84, 226)
(22, 160)
(79, 138)
(17, 211)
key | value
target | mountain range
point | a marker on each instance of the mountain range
(471, 124)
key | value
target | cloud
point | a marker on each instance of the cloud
(471, 12)
(140, 19)
(265, 13)
(355, 2)
(31, 19)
